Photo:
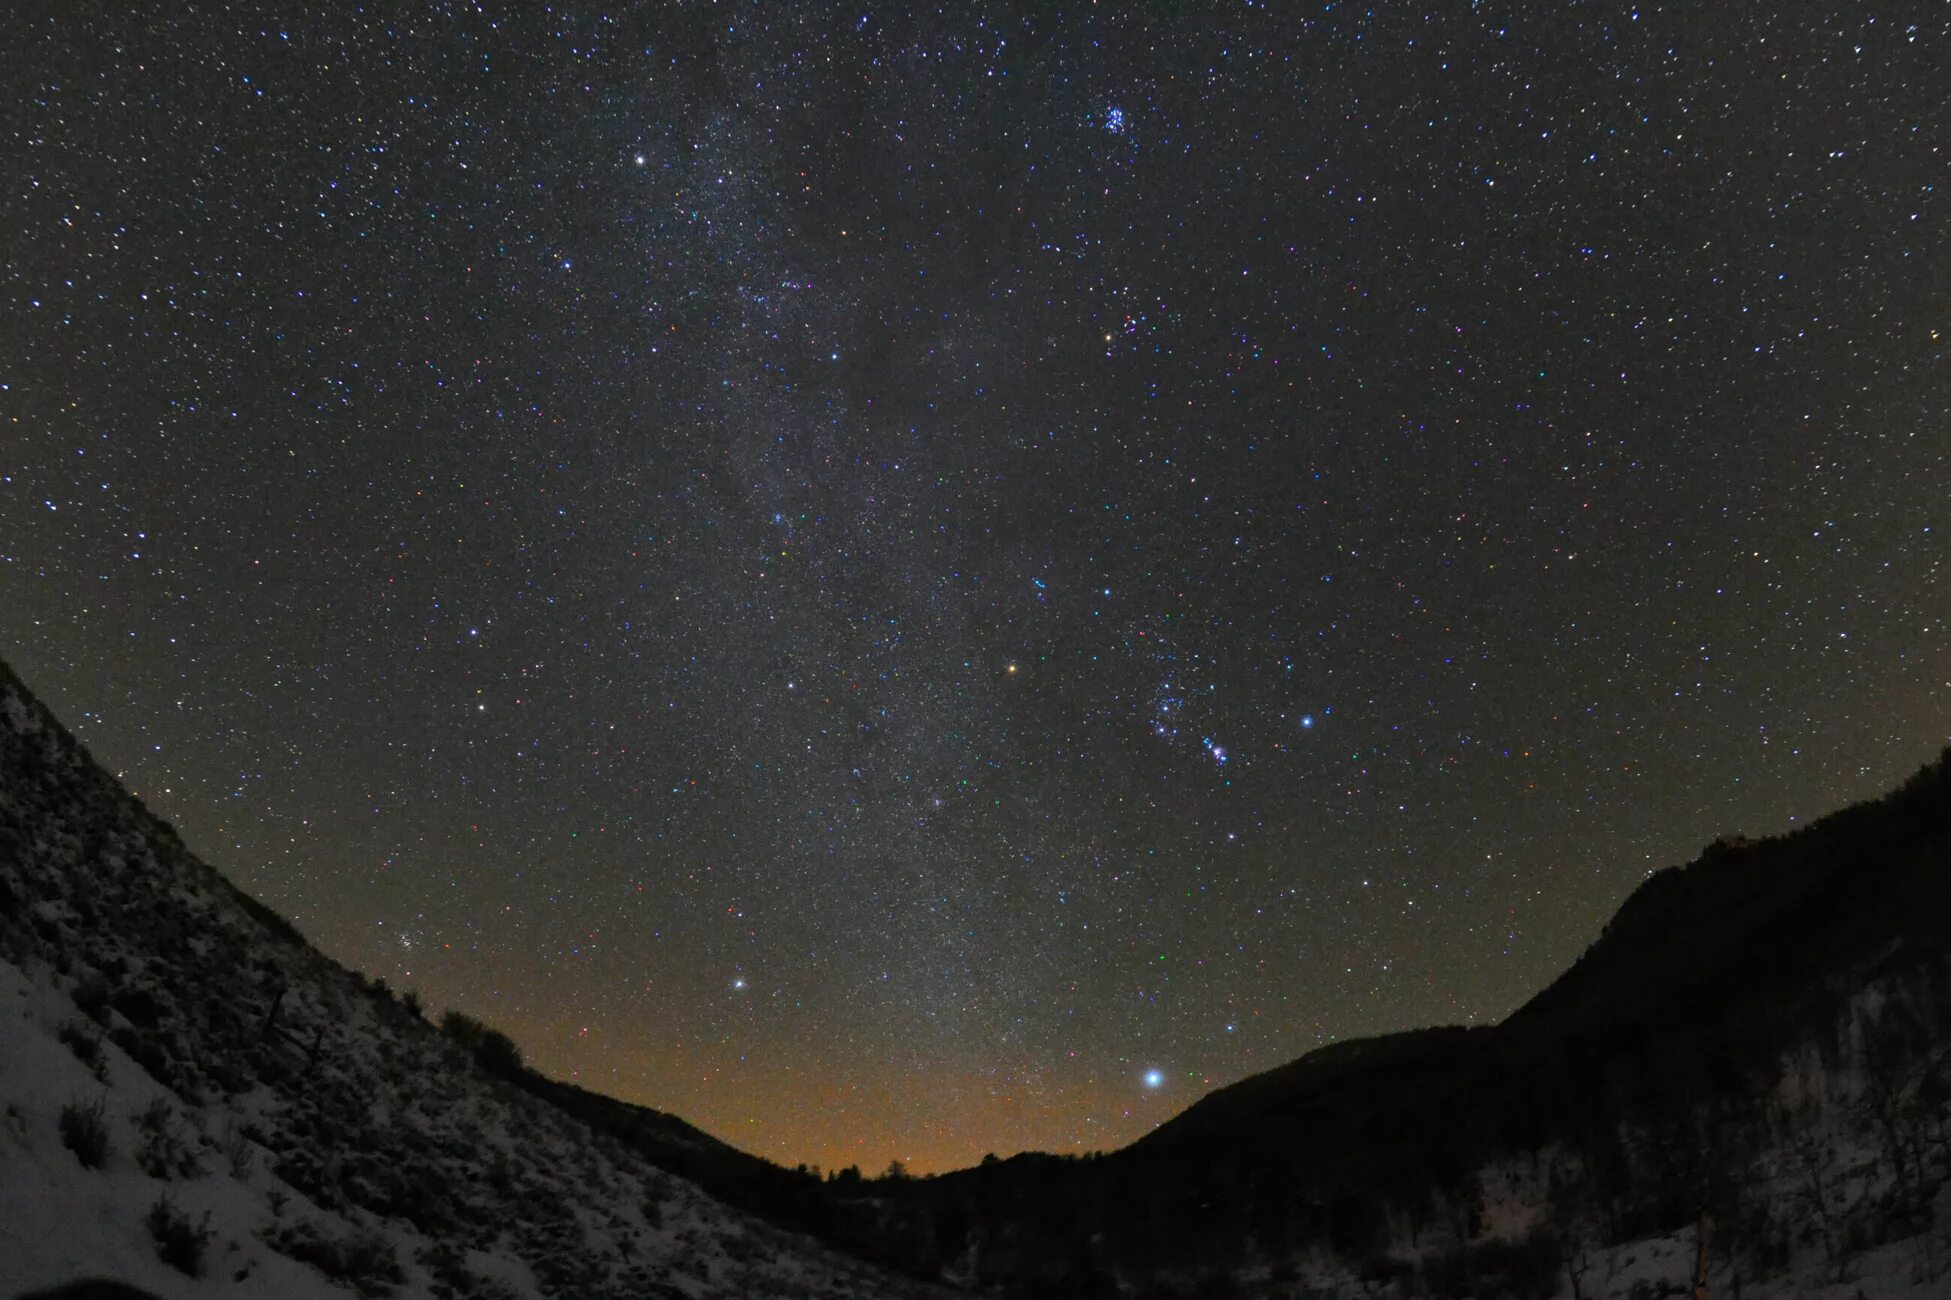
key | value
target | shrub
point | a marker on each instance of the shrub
(446, 1264)
(159, 1152)
(238, 1149)
(1524, 1269)
(147, 1051)
(85, 1041)
(493, 1050)
(179, 1241)
(91, 998)
(84, 1131)
(364, 1261)
(139, 1007)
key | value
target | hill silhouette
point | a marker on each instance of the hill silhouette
(1652, 1072)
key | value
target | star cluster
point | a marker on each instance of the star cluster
(948, 581)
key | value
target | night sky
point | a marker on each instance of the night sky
(903, 585)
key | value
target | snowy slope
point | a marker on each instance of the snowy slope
(306, 1134)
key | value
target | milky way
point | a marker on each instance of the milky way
(908, 585)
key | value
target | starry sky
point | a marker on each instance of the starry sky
(911, 583)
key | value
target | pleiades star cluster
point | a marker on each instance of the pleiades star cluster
(905, 583)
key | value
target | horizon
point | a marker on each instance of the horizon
(432, 1015)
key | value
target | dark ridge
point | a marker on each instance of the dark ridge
(1727, 957)
(109, 798)
(1685, 1006)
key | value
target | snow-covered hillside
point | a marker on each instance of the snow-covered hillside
(194, 1100)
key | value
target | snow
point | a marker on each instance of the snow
(343, 1118)
(60, 1222)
